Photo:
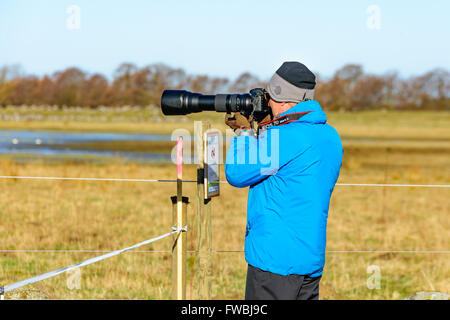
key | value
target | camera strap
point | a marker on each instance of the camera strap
(280, 121)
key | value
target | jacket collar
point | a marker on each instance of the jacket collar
(316, 114)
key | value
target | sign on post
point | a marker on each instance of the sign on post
(211, 158)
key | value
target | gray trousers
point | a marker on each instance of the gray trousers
(265, 285)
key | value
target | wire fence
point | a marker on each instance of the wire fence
(194, 181)
(109, 254)
(54, 273)
(214, 251)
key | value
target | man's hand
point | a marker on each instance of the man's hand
(266, 119)
(239, 123)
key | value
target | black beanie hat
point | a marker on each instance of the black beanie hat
(292, 82)
(297, 74)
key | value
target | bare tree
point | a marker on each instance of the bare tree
(68, 85)
(244, 83)
(348, 89)
(94, 89)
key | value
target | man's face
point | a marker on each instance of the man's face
(279, 107)
(275, 107)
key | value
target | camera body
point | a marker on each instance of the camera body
(260, 102)
(182, 102)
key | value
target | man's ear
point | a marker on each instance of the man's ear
(285, 106)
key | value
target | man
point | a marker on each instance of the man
(289, 195)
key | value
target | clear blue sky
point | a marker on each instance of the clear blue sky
(225, 38)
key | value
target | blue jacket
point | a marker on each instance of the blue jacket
(291, 170)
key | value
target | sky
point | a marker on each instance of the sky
(225, 38)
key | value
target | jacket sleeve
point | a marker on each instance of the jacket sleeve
(250, 160)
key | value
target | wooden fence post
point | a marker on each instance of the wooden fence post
(204, 272)
(179, 249)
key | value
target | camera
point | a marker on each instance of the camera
(182, 102)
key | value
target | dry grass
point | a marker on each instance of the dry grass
(82, 215)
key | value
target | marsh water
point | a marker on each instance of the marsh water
(29, 145)
(32, 145)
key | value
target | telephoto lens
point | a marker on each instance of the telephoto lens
(182, 102)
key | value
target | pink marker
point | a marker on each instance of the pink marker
(180, 158)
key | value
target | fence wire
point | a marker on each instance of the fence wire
(4, 289)
(54, 273)
(194, 181)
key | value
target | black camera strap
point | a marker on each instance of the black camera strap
(280, 121)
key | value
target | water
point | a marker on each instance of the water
(28, 145)
(58, 137)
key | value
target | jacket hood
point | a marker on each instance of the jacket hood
(316, 114)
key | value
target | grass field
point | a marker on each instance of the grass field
(82, 215)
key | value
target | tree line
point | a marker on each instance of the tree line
(349, 89)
